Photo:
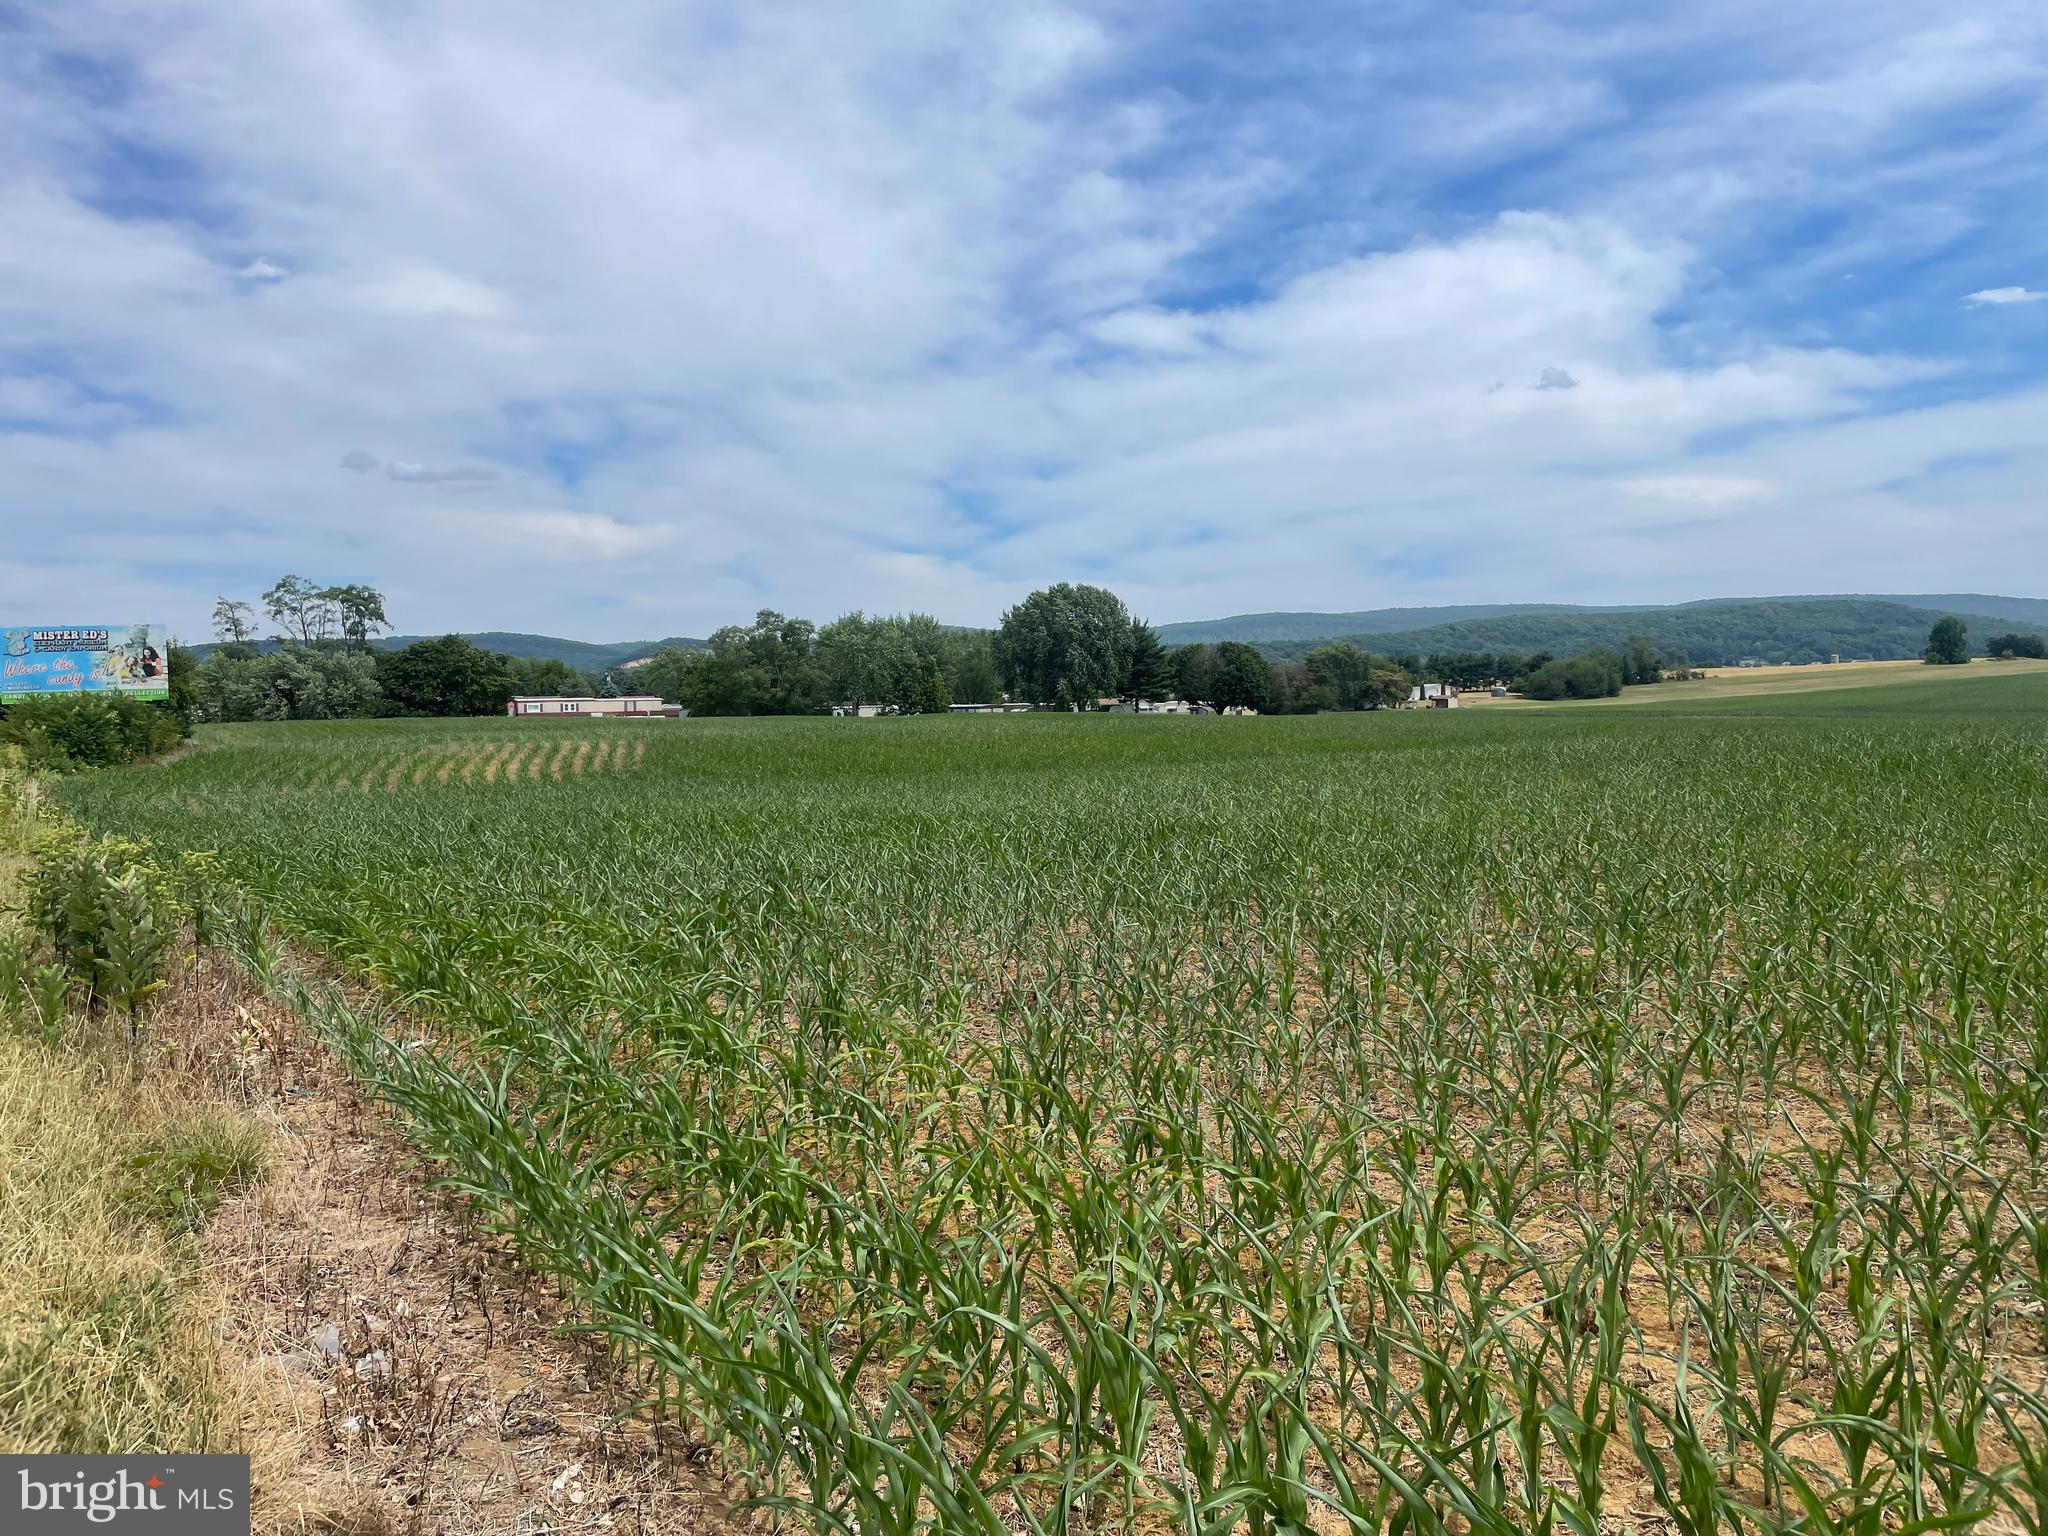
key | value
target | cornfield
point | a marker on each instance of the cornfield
(1417, 1123)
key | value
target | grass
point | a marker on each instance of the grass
(104, 1329)
(1995, 687)
(1492, 1121)
(103, 1339)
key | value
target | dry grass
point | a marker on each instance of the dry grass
(104, 1327)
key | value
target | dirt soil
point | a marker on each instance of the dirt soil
(399, 1374)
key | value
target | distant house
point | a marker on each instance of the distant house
(989, 709)
(638, 706)
(1750, 661)
(1433, 696)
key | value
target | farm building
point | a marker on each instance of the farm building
(1433, 696)
(638, 705)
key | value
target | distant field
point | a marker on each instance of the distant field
(1503, 1119)
(1993, 687)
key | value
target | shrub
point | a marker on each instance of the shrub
(111, 911)
(87, 730)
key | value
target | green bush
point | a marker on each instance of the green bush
(111, 911)
(88, 730)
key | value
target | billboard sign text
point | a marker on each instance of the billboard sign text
(86, 658)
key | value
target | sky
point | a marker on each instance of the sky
(621, 320)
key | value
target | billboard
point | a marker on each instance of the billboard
(86, 658)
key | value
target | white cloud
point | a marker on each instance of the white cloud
(899, 306)
(420, 474)
(567, 535)
(2004, 296)
(1699, 490)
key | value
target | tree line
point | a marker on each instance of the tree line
(1066, 646)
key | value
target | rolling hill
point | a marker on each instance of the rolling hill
(1707, 634)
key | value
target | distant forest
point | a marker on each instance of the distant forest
(1702, 634)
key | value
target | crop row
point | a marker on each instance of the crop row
(1410, 1124)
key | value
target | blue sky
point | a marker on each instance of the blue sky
(624, 319)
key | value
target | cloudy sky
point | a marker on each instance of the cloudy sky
(620, 319)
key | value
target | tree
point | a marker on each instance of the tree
(1346, 672)
(1595, 675)
(234, 625)
(358, 612)
(1297, 691)
(549, 677)
(926, 694)
(181, 669)
(303, 611)
(1640, 662)
(1244, 678)
(1948, 643)
(448, 676)
(1149, 678)
(722, 683)
(971, 676)
(780, 650)
(1065, 642)
(664, 673)
(1386, 687)
(295, 682)
(2017, 644)
(864, 660)
(1194, 674)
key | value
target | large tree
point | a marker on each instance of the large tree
(1065, 644)
(1244, 678)
(1948, 643)
(1640, 662)
(971, 676)
(778, 651)
(302, 610)
(663, 675)
(448, 676)
(1346, 671)
(1595, 675)
(234, 625)
(1194, 673)
(358, 613)
(1151, 674)
(2016, 644)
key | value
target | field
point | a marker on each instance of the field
(1903, 687)
(1574, 1119)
